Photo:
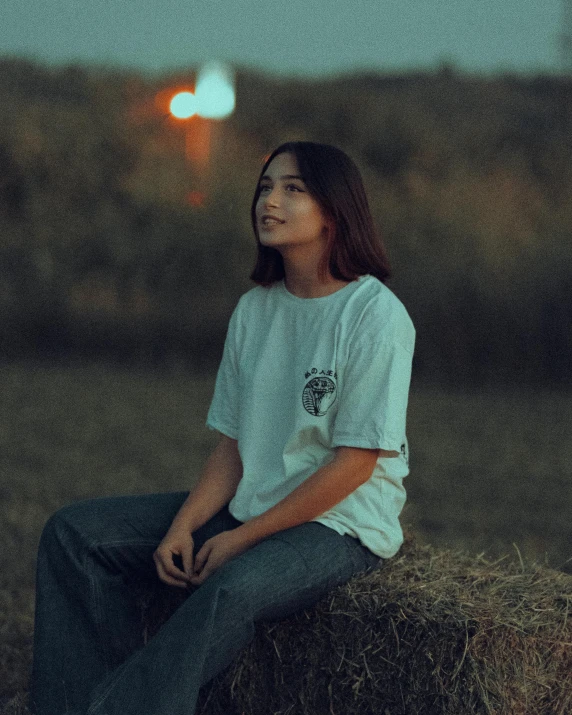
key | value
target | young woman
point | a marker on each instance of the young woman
(302, 492)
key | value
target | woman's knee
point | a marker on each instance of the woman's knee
(74, 523)
(60, 524)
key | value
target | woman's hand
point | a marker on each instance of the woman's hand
(177, 546)
(216, 552)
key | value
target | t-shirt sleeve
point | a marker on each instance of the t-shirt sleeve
(374, 394)
(223, 413)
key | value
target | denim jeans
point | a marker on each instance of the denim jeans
(89, 655)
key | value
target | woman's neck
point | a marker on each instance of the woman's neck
(302, 279)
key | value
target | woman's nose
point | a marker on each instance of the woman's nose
(270, 198)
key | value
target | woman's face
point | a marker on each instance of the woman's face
(286, 214)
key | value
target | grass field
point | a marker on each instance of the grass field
(488, 470)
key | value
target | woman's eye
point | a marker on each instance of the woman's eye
(266, 188)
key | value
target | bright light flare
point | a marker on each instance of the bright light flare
(183, 105)
(215, 91)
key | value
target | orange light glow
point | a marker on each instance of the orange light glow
(197, 199)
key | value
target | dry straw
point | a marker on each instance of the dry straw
(432, 632)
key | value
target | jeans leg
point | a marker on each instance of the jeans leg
(279, 576)
(85, 622)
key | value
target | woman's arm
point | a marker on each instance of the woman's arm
(216, 487)
(329, 485)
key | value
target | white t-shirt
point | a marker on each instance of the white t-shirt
(302, 376)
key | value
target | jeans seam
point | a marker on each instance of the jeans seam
(94, 705)
(93, 546)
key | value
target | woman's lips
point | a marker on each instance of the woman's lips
(268, 221)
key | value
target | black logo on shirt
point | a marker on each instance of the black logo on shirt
(319, 394)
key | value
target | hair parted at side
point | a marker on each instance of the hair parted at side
(354, 247)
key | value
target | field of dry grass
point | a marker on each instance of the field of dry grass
(488, 469)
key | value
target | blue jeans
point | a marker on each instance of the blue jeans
(89, 655)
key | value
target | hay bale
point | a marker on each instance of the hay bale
(432, 632)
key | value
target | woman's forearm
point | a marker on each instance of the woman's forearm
(328, 486)
(216, 486)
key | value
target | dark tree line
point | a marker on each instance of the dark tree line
(112, 242)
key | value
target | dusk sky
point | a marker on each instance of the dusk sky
(288, 37)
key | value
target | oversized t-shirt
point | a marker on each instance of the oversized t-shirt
(302, 376)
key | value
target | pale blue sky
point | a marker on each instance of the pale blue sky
(289, 36)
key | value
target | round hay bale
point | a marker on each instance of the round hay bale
(432, 632)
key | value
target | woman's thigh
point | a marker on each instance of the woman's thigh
(123, 517)
(119, 532)
(292, 569)
(123, 532)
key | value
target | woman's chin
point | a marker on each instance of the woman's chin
(266, 239)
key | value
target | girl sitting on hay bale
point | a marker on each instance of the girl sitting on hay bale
(302, 492)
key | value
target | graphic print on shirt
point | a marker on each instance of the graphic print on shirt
(320, 392)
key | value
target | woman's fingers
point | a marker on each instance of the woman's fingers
(170, 580)
(167, 570)
(215, 552)
(187, 559)
(204, 566)
(201, 558)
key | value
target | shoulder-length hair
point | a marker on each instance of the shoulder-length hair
(354, 247)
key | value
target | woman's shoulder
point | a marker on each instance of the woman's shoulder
(380, 310)
(377, 298)
(255, 297)
(252, 303)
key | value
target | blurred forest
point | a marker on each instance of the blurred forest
(114, 243)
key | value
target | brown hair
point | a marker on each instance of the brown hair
(354, 247)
